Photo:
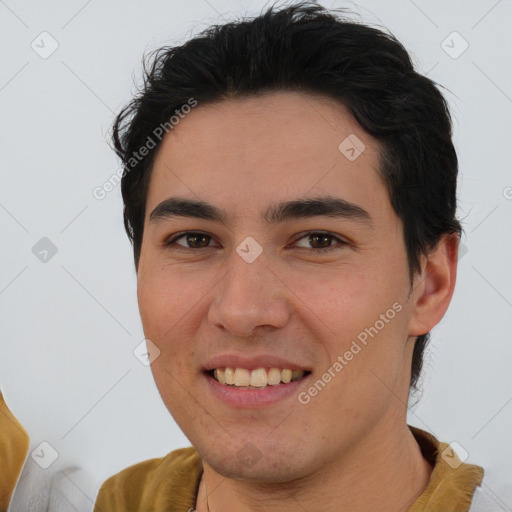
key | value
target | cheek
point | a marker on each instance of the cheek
(357, 314)
(171, 310)
(151, 305)
(164, 299)
(340, 299)
(162, 308)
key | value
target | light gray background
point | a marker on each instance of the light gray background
(69, 325)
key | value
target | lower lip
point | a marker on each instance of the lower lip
(254, 398)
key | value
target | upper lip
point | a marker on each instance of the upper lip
(251, 363)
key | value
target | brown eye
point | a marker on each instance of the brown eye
(317, 242)
(322, 241)
(192, 239)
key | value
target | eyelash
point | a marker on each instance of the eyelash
(169, 243)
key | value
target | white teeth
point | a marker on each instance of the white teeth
(258, 378)
(274, 376)
(229, 375)
(242, 377)
(219, 375)
(286, 376)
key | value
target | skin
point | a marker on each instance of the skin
(349, 448)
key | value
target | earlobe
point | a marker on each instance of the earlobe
(434, 287)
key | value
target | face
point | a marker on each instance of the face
(289, 290)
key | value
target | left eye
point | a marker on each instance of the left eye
(202, 240)
(322, 239)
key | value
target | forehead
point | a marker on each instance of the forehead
(284, 143)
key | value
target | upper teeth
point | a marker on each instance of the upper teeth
(257, 378)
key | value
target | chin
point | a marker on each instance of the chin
(268, 465)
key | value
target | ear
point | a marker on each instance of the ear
(433, 286)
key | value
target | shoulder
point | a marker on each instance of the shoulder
(177, 462)
(14, 444)
(141, 483)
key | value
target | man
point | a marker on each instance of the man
(290, 193)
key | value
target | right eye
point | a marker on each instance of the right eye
(194, 238)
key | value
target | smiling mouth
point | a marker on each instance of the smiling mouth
(259, 378)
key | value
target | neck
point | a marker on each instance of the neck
(385, 473)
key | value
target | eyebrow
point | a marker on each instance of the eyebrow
(327, 206)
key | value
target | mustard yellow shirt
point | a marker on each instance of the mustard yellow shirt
(14, 442)
(171, 483)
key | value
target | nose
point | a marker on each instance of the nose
(250, 295)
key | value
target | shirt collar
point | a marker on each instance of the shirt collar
(452, 482)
